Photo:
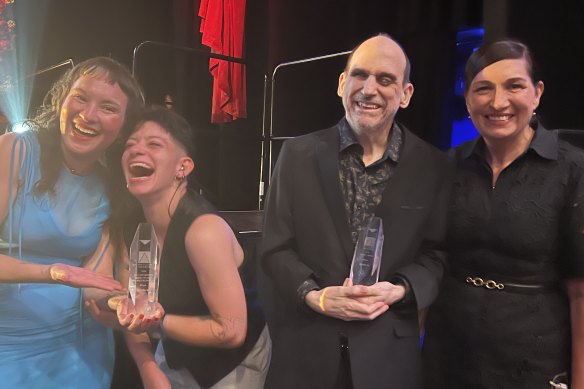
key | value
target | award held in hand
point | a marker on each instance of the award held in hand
(144, 269)
(367, 256)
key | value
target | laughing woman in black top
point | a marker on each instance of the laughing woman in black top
(510, 313)
(213, 335)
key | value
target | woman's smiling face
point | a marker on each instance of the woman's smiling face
(91, 117)
(501, 99)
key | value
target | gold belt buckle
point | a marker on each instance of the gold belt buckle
(489, 284)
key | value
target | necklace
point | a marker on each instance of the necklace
(75, 172)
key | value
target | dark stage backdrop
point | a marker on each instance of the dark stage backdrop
(554, 33)
(427, 30)
(280, 31)
(276, 31)
(228, 161)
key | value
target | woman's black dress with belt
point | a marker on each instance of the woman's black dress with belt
(502, 318)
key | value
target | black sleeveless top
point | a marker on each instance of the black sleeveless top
(179, 294)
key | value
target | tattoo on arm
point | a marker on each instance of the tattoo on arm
(221, 326)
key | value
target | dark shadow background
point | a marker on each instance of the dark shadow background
(277, 31)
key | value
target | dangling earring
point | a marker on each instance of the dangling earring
(182, 174)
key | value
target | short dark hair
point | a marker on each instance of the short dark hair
(173, 123)
(408, 67)
(492, 52)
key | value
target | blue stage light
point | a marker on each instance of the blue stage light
(21, 126)
(467, 41)
(19, 59)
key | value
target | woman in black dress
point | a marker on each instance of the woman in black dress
(510, 311)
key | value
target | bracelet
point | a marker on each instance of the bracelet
(321, 300)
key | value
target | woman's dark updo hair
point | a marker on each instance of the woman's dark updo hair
(490, 53)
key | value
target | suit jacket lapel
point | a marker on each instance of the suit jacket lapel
(327, 155)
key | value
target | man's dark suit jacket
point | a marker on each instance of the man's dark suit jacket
(306, 234)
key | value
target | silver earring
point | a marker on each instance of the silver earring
(182, 175)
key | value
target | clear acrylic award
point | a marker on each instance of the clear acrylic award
(367, 256)
(144, 269)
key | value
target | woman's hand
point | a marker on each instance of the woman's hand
(79, 277)
(137, 320)
(105, 317)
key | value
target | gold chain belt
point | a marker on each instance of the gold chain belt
(489, 284)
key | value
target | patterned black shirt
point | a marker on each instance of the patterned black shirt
(527, 229)
(363, 185)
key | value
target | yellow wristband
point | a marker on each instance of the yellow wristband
(321, 301)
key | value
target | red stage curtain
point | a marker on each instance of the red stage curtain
(222, 26)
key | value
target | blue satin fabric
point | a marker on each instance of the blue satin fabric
(46, 340)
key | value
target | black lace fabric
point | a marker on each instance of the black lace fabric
(528, 229)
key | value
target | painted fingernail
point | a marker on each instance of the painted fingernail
(131, 315)
(141, 316)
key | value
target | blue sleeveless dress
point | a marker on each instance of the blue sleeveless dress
(46, 338)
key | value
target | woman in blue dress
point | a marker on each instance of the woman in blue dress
(57, 223)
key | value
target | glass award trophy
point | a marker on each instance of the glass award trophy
(367, 256)
(144, 269)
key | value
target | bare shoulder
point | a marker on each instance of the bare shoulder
(7, 143)
(209, 229)
(210, 239)
(6, 175)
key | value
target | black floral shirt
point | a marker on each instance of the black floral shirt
(363, 185)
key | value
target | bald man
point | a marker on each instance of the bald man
(328, 333)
